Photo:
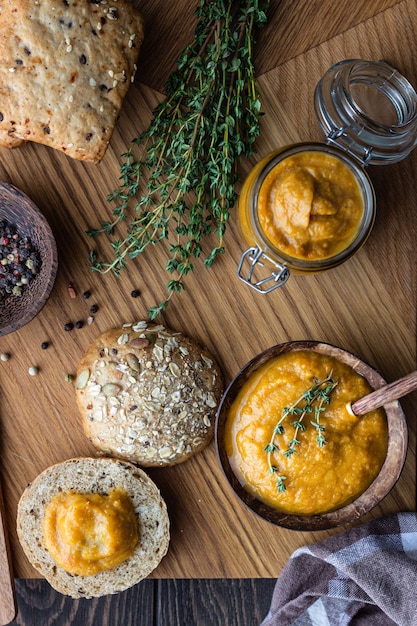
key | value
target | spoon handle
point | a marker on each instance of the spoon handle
(7, 596)
(385, 394)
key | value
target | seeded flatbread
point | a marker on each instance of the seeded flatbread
(65, 68)
(90, 475)
(148, 394)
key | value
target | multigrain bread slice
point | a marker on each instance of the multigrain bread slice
(148, 394)
(91, 475)
(65, 68)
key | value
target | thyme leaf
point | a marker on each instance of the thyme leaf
(179, 175)
(312, 400)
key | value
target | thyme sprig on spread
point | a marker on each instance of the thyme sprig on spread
(180, 173)
(311, 401)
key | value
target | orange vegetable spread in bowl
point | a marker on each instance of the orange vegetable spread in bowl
(310, 205)
(90, 533)
(325, 461)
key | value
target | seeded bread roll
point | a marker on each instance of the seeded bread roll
(90, 475)
(65, 68)
(148, 394)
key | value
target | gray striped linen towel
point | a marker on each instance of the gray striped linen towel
(364, 576)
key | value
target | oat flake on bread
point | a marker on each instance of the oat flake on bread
(148, 394)
(92, 475)
(65, 68)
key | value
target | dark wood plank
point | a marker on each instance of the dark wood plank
(228, 602)
(184, 602)
(40, 605)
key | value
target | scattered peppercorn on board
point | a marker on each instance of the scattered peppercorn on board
(367, 305)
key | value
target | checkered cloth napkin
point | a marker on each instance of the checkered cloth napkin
(366, 576)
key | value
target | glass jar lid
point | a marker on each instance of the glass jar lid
(368, 109)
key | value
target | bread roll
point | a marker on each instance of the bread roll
(148, 394)
(91, 475)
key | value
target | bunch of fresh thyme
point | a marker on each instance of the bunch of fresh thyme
(182, 183)
(316, 397)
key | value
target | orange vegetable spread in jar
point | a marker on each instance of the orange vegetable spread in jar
(90, 533)
(320, 465)
(310, 205)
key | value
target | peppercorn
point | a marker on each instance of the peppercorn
(19, 260)
(33, 371)
(68, 326)
(79, 324)
(44, 345)
(135, 293)
(86, 295)
(93, 309)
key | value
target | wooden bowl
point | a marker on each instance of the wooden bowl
(18, 209)
(379, 488)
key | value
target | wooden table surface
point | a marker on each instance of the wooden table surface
(367, 305)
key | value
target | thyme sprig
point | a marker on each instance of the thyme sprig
(313, 400)
(180, 173)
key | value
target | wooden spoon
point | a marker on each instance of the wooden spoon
(385, 394)
(7, 596)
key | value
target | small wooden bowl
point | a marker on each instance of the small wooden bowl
(18, 209)
(379, 488)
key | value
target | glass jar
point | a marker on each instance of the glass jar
(368, 112)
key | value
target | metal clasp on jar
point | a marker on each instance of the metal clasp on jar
(340, 137)
(256, 258)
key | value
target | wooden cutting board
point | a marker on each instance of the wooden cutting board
(367, 305)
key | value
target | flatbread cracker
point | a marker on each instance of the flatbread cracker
(65, 68)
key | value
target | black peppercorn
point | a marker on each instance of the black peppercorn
(68, 326)
(79, 324)
(93, 309)
(44, 345)
(135, 293)
(86, 295)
